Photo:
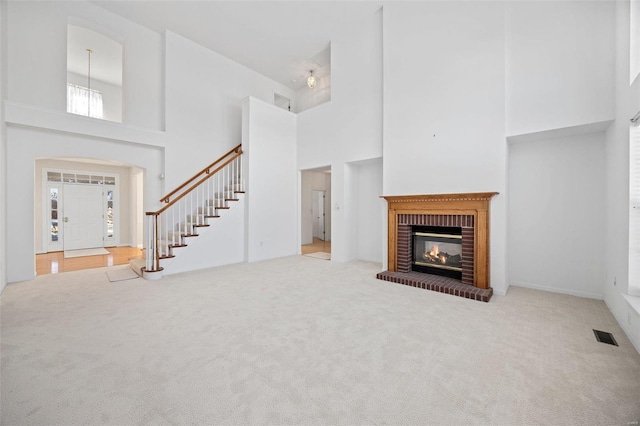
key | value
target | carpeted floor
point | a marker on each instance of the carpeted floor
(297, 341)
(320, 255)
(121, 273)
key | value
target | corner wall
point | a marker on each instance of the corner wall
(556, 214)
(3, 145)
(617, 182)
(371, 211)
(204, 95)
(559, 64)
(269, 167)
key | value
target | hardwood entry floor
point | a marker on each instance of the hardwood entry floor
(316, 246)
(53, 263)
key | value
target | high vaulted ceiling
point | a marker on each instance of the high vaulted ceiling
(275, 38)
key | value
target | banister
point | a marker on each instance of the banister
(175, 220)
(237, 150)
(179, 197)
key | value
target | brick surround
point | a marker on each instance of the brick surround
(406, 221)
(470, 212)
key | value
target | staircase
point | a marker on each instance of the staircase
(190, 210)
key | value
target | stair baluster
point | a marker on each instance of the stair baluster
(187, 207)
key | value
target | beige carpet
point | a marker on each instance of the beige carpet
(297, 341)
(121, 273)
(85, 252)
(320, 255)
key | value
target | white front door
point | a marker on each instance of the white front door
(83, 216)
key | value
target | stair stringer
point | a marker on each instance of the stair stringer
(222, 243)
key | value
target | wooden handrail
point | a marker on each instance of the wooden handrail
(224, 171)
(165, 199)
(194, 186)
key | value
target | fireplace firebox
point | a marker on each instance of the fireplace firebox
(437, 250)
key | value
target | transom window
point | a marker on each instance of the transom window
(80, 178)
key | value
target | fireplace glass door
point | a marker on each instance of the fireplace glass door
(437, 250)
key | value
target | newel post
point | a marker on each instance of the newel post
(152, 252)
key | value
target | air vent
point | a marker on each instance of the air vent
(604, 337)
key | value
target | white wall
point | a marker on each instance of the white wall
(556, 215)
(349, 127)
(310, 181)
(3, 145)
(111, 95)
(272, 212)
(204, 93)
(137, 207)
(617, 182)
(307, 98)
(125, 213)
(560, 64)
(24, 146)
(222, 243)
(371, 211)
(444, 109)
(37, 58)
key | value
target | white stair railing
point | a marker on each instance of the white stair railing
(190, 206)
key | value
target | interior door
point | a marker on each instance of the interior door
(317, 212)
(83, 221)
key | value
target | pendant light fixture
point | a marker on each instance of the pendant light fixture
(89, 52)
(311, 81)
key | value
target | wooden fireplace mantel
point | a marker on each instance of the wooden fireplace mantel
(475, 204)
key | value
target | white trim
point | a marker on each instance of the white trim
(500, 292)
(634, 302)
(624, 326)
(48, 245)
(49, 119)
(46, 212)
(115, 240)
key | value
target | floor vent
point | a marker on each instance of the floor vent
(604, 337)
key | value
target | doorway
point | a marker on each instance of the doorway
(316, 212)
(83, 217)
(89, 207)
(81, 209)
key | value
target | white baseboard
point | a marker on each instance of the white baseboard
(500, 292)
(558, 290)
(623, 325)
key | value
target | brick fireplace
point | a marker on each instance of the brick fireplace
(467, 212)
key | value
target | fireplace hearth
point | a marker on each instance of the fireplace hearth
(440, 242)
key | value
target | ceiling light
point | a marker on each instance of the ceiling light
(311, 81)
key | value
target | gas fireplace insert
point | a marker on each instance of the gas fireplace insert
(437, 250)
